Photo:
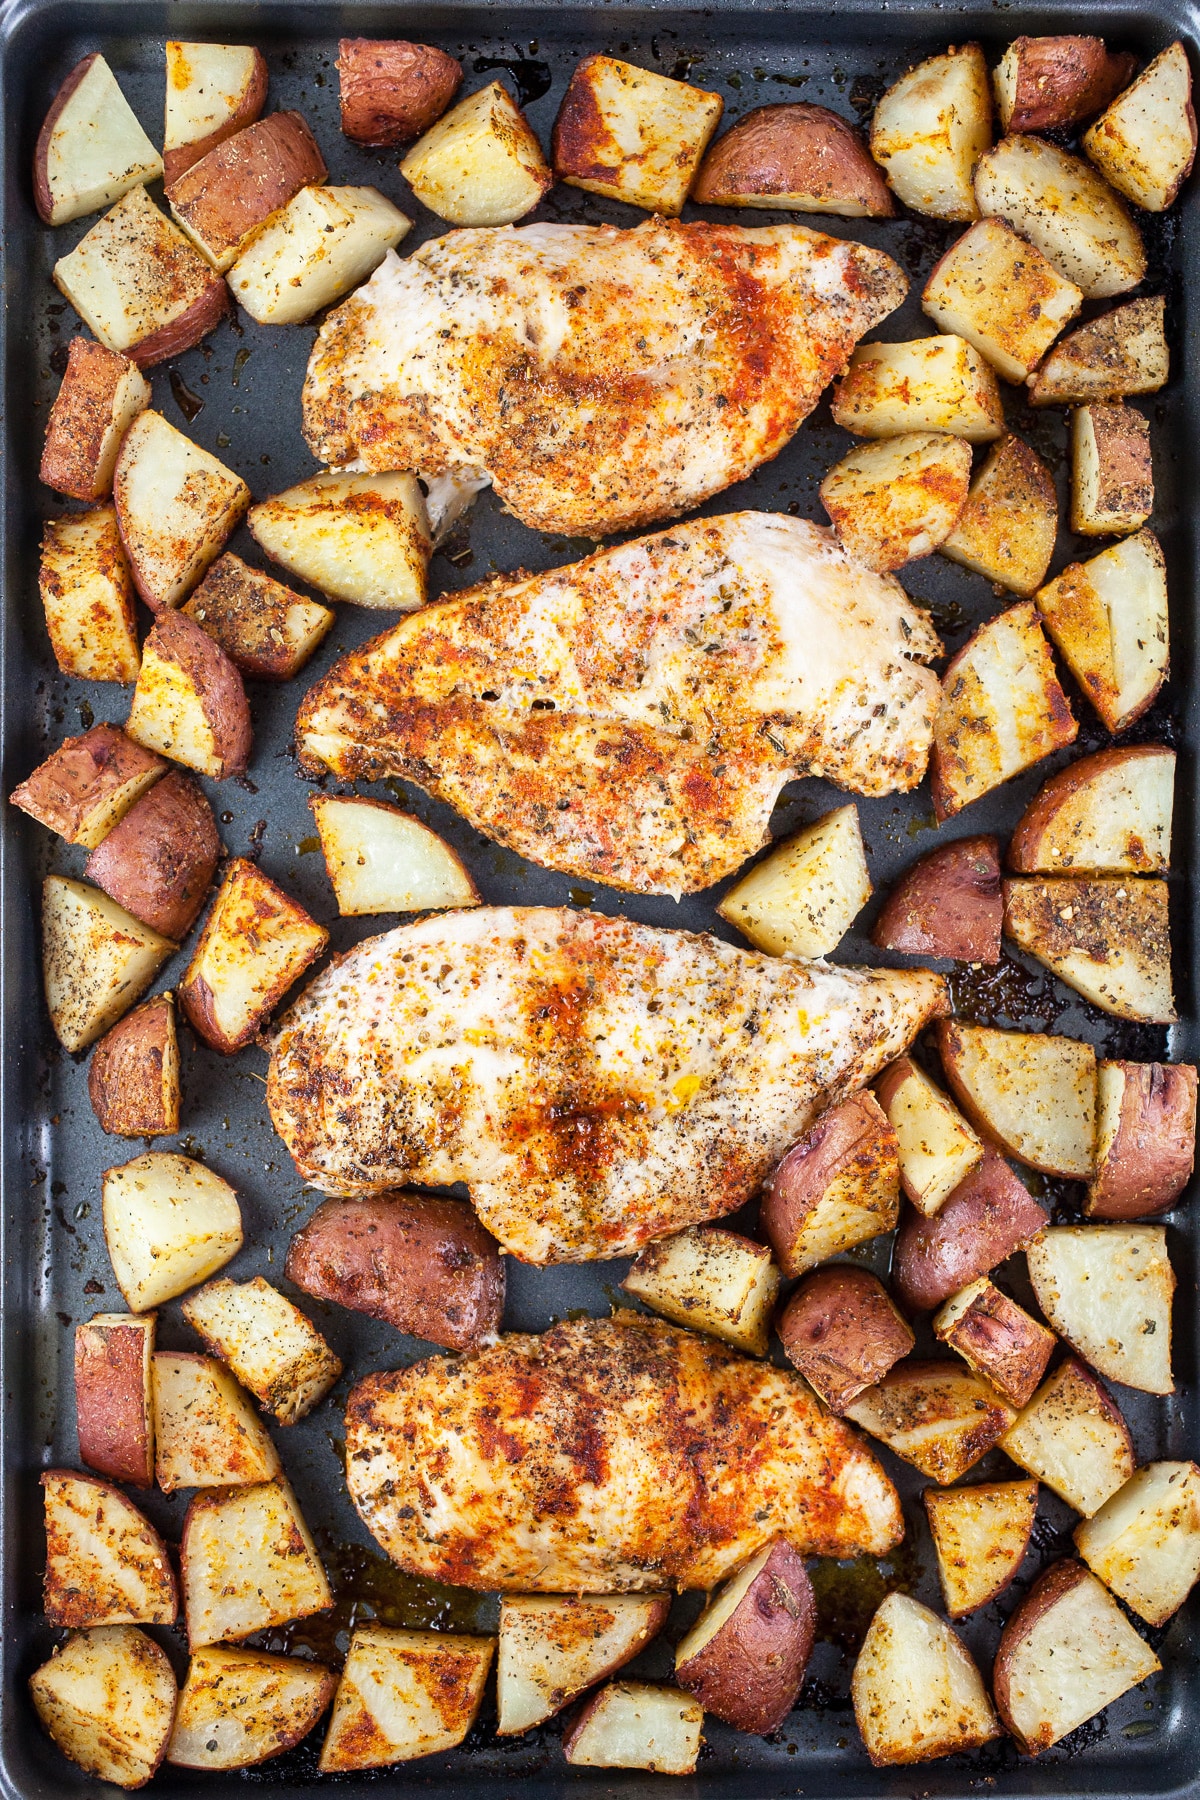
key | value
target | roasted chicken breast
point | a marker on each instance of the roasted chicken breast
(632, 718)
(603, 1456)
(594, 1082)
(603, 378)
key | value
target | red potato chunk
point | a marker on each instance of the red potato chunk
(745, 1657)
(114, 1408)
(837, 1187)
(159, 862)
(987, 1217)
(392, 91)
(949, 904)
(1146, 1138)
(841, 1330)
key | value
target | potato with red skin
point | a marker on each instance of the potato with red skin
(841, 1330)
(102, 393)
(159, 862)
(948, 904)
(997, 1338)
(190, 701)
(745, 1657)
(1145, 1139)
(988, 1216)
(114, 1407)
(91, 148)
(423, 1265)
(837, 1187)
(938, 1416)
(1051, 83)
(222, 200)
(391, 91)
(88, 784)
(213, 90)
(133, 1078)
(796, 157)
(1107, 814)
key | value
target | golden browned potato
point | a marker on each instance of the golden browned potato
(1112, 476)
(91, 149)
(916, 1691)
(248, 1563)
(937, 1147)
(930, 129)
(105, 1563)
(1062, 206)
(1145, 1140)
(481, 164)
(745, 1657)
(362, 538)
(713, 1280)
(1031, 1094)
(937, 1416)
(1145, 144)
(631, 134)
(133, 1078)
(1072, 1436)
(102, 393)
(176, 504)
(930, 384)
(107, 1698)
(1144, 1543)
(948, 904)
(1107, 1289)
(97, 959)
(997, 1338)
(988, 1216)
(88, 784)
(322, 244)
(1108, 937)
(265, 628)
(637, 1725)
(797, 157)
(995, 289)
(1051, 83)
(207, 1431)
(837, 1187)
(255, 944)
(273, 1349)
(189, 702)
(114, 1402)
(1122, 352)
(138, 284)
(841, 1330)
(159, 861)
(222, 200)
(1107, 814)
(424, 1265)
(390, 91)
(213, 90)
(553, 1647)
(239, 1707)
(1108, 617)
(893, 501)
(980, 1535)
(404, 1694)
(1006, 531)
(88, 598)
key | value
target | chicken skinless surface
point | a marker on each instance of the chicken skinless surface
(596, 1083)
(632, 718)
(603, 378)
(607, 1455)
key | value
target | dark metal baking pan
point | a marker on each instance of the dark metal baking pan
(239, 394)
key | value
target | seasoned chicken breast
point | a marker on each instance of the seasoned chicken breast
(603, 378)
(594, 1082)
(606, 1455)
(632, 718)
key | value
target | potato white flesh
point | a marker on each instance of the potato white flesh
(207, 1432)
(938, 1148)
(176, 504)
(1108, 814)
(1032, 1093)
(1123, 352)
(105, 1563)
(169, 1223)
(554, 1646)
(1144, 1543)
(632, 1725)
(1072, 1437)
(837, 1187)
(362, 538)
(97, 960)
(930, 384)
(138, 285)
(238, 1707)
(87, 594)
(1064, 208)
(804, 897)
(899, 499)
(713, 1280)
(937, 1416)
(1006, 531)
(248, 1563)
(481, 164)
(980, 1535)
(1112, 476)
(998, 291)
(269, 1344)
(323, 243)
(916, 1691)
(1107, 936)
(256, 942)
(997, 1338)
(107, 1698)
(381, 860)
(1002, 709)
(1066, 1653)
(931, 128)
(1145, 144)
(1107, 1289)
(213, 90)
(91, 149)
(1108, 617)
(632, 135)
(404, 1694)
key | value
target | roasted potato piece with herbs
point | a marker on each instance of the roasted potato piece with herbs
(169, 1222)
(213, 90)
(745, 1657)
(380, 859)
(1031, 1094)
(226, 197)
(994, 288)
(997, 1338)
(105, 1563)
(101, 395)
(797, 157)
(713, 1280)
(481, 164)
(1122, 352)
(322, 244)
(554, 1646)
(239, 1707)
(248, 1563)
(266, 629)
(1108, 618)
(390, 91)
(1107, 814)
(88, 598)
(839, 1186)
(107, 1698)
(841, 1330)
(362, 538)
(916, 1691)
(1145, 144)
(91, 149)
(97, 960)
(1107, 1289)
(632, 134)
(1006, 531)
(176, 504)
(133, 1077)
(930, 384)
(114, 1401)
(980, 1535)
(159, 861)
(931, 128)
(937, 1147)
(635, 1725)
(255, 944)
(1145, 1138)
(190, 703)
(1072, 1436)
(1002, 709)
(1052, 83)
(803, 898)
(1112, 475)
(88, 784)
(271, 1347)
(989, 1215)
(898, 499)
(1063, 207)
(208, 1433)
(937, 1416)
(404, 1694)
(947, 905)
(1109, 938)
(1144, 1543)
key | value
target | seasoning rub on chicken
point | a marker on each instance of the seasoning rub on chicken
(633, 717)
(595, 1083)
(604, 1456)
(603, 378)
